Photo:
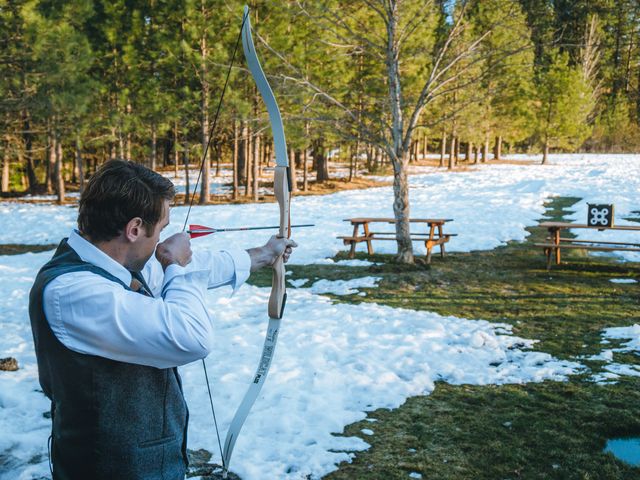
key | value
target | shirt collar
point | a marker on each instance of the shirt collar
(88, 252)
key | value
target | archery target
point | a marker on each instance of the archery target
(600, 215)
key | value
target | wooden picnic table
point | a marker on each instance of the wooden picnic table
(556, 241)
(432, 236)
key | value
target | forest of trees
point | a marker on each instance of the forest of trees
(83, 81)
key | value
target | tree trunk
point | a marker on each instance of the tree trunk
(452, 151)
(355, 159)
(256, 166)
(351, 162)
(59, 170)
(399, 155)
(476, 154)
(497, 150)
(176, 151)
(205, 186)
(236, 144)
(218, 150)
(545, 153)
(27, 138)
(5, 169)
(638, 96)
(79, 163)
(51, 160)
(401, 212)
(166, 148)
(298, 164)
(205, 189)
(120, 144)
(485, 150)
(443, 149)
(425, 148)
(187, 186)
(377, 158)
(154, 147)
(305, 168)
(242, 153)
(293, 157)
(321, 160)
(128, 141)
(23, 178)
(456, 151)
(248, 164)
(467, 155)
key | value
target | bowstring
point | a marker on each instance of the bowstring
(215, 122)
(186, 220)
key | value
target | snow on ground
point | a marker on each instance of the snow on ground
(614, 370)
(334, 362)
(490, 205)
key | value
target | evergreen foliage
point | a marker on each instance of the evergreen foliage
(89, 80)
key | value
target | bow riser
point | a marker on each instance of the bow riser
(282, 191)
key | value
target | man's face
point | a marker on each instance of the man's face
(146, 244)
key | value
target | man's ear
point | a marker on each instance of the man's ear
(134, 229)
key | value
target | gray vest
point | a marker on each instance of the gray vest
(111, 420)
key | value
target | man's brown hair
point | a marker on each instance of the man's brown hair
(119, 191)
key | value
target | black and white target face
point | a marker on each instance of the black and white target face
(599, 215)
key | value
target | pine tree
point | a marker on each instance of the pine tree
(565, 103)
(63, 57)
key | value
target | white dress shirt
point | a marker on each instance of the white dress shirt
(93, 315)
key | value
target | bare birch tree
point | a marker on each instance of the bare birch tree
(408, 46)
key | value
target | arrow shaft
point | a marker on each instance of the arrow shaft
(239, 229)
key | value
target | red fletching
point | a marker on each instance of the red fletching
(196, 231)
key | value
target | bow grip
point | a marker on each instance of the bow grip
(278, 297)
(282, 191)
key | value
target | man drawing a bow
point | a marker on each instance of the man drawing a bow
(111, 322)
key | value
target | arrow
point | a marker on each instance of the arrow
(196, 231)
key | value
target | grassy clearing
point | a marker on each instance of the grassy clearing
(549, 430)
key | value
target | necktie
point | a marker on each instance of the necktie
(137, 286)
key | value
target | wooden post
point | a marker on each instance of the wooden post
(368, 236)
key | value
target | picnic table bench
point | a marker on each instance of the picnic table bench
(431, 237)
(556, 242)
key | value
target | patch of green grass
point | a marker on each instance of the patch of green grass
(20, 248)
(549, 430)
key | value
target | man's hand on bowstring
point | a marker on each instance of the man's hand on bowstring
(175, 249)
